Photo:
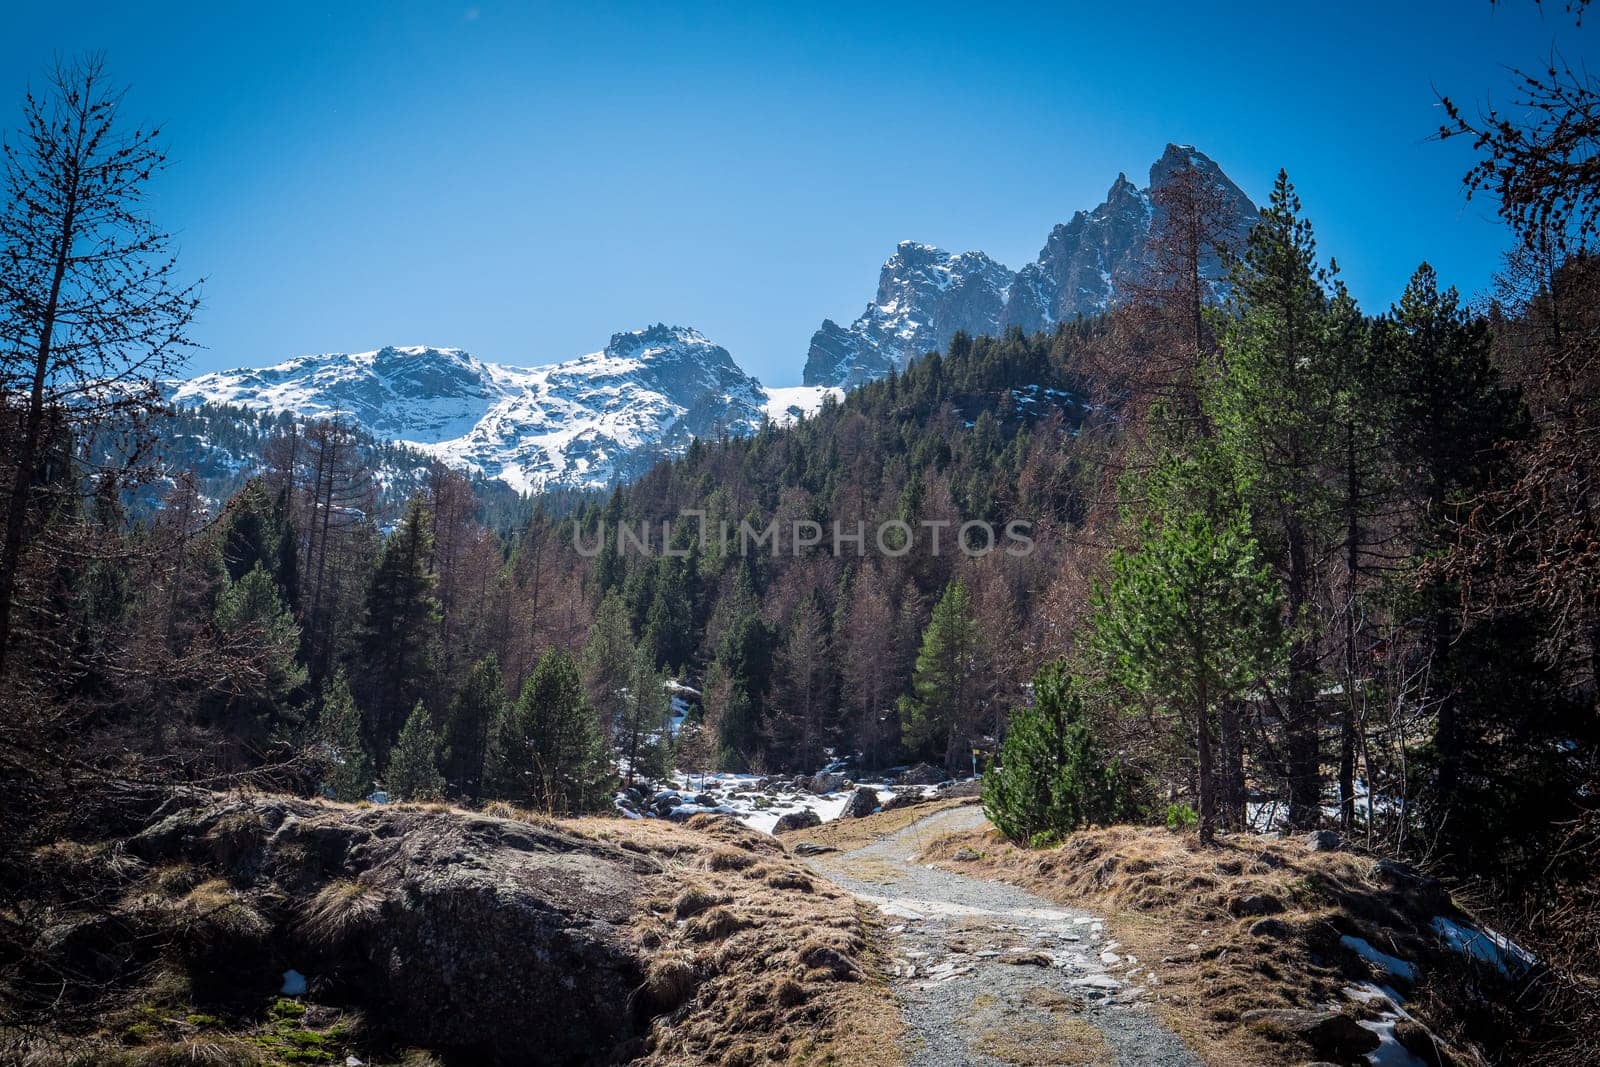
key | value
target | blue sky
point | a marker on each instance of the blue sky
(523, 180)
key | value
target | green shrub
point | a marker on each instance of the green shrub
(1052, 776)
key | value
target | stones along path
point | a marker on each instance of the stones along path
(987, 973)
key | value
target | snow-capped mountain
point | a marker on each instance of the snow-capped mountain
(587, 422)
(926, 294)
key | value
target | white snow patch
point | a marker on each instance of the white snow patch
(1367, 951)
(1486, 945)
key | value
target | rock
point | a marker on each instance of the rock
(459, 931)
(825, 782)
(1026, 959)
(966, 787)
(705, 800)
(1276, 929)
(863, 802)
(812, 848)
(923, 774)
(1423, 1045)
(797, 820)
(1330, 1033)
(903, 800)
(1254, 904)
(966, 855)
(1324, 841)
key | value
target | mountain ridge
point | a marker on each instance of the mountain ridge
(585, 422)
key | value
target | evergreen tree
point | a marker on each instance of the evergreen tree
(1052, 776)
(803, 722)
(413, 765)
(608, 663)
(397, 649)
(1190, 620)
(644, 731)
(1451, 411)
(1274, 406)
(249, 531)
(468, 723)
(341, 737)
(944, 680)
(564, 745)
(254, 623)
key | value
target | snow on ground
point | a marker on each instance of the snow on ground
(1390, 1052)
(785, 403)
(741, 796)
(1367, 951)
(1486, 945)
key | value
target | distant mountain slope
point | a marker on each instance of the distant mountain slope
(587, 422)
(925, 294)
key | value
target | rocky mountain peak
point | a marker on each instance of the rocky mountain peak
(926, 294)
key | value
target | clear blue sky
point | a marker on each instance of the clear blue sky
(522, 180)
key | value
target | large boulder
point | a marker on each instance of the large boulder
(825, 782)
(923, 774)
(497, 940)
(863, 802)
(797, 820)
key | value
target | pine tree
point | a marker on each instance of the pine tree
(644, 732)
(341, 738)
(397, 651)
(1451, 412)
(803, 722)
(253, 623)
(1052, 777)
(413, 765)
(1274, 406)
(943, 681)
(1190, 621)
(608, 663)
(472, 716)
(565, 747)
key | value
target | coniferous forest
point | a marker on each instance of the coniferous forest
(1271, 562)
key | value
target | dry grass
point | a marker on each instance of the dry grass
(754, 961)
(1063, 1041)
(848, 834)
(1181, 909)
(342, 906)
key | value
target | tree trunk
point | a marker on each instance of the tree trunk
(1232, 771)
(1304, 759)
(1208, 778)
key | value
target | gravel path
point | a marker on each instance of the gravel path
(987, 973)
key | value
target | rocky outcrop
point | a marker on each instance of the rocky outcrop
(492, 938)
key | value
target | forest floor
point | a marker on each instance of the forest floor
(988, 973)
